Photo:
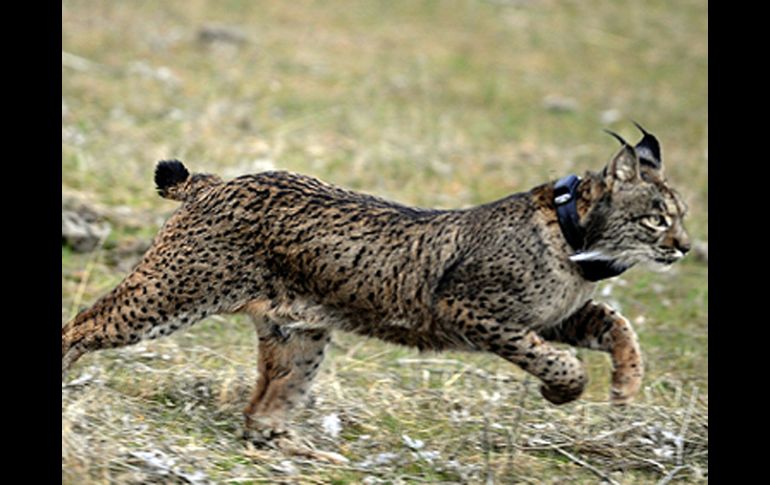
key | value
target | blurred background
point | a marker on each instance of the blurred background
(435, 104)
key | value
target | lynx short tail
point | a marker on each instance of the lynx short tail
(173, 181)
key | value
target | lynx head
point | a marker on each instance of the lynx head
(634, 215)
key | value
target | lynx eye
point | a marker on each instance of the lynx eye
(656, 221)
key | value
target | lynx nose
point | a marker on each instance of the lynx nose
(682, 244)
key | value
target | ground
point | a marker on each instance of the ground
(434, 104)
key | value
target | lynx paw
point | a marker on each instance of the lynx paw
(287, 442)
(268, 437)
(626, 382)
(560, 395)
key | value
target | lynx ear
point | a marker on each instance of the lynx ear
(648, 150)
(624, 166)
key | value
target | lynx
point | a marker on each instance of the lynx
(304, 258)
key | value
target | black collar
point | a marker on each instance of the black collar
(565, 199)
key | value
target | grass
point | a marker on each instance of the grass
(429, 103)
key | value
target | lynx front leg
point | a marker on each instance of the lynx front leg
(597, 326)
(563, 375)
(288, 362)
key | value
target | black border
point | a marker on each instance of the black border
(31, 182)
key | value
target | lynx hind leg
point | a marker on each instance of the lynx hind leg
(146, 305)
(287, 363)
(597, 326)
(108, 326)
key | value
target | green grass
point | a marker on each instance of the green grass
(430, 103)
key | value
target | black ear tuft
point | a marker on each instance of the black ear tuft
(648, 149)
(617, 137)
(169, 173)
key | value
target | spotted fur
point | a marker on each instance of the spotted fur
(303, 258)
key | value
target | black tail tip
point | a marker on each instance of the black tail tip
(169, 173)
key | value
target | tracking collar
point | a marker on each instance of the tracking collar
(565, 200)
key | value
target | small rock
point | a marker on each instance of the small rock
(559, 104)
(610, 116)
(378, 460)
(70, 135)
(331, 425)
(85, 378)
(82, 229)
(331, 457)
(209, 34)
(428, 456)
(161, 73)
(286, 467)
(411, 443)
(371, 480)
